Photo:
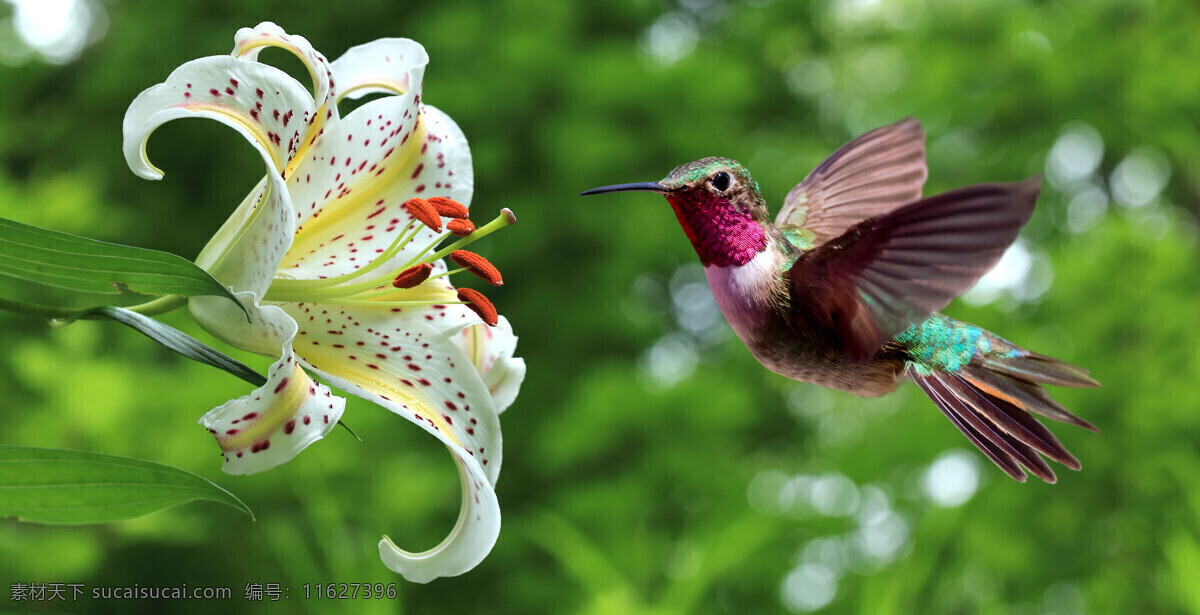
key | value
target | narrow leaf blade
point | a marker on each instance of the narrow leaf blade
(59, 275)
(57, 486)
(180, 342)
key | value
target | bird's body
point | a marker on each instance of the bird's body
(841, 290)
(753, 299)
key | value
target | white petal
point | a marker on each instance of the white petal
(273, 424)
(262, 103)
(491, 350)
(264, 332)
(380, 66)
(469, 542)
(357, 150)
(245, 253)
(248, 42)
(279, 419)
(350, 189)
(395, 360)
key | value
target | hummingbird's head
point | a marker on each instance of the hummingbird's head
(718, 205)
(721, 181)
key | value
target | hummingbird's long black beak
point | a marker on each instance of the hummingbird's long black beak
(643, 186)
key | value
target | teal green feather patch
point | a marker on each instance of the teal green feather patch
(942, 343)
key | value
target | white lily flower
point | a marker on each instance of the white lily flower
(313, 251)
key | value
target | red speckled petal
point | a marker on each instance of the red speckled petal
(350, 188)
(248, 42)
(357, 211)
(402, 364)
(257, 101)
(262, 103)
(273, 424)
(491, 350)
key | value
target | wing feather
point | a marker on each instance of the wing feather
(869, 176)
(889, 271)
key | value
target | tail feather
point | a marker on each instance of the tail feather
(1015, 420)
(991, 401)
(1006, 452)
(1036, 368)
(1023, 394)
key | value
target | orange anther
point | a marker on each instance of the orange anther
(413, 276)
(477, 265)
(449, 208)
(479, 304)
(461, 227)
(426, 213)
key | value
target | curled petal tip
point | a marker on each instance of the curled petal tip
(269, 427)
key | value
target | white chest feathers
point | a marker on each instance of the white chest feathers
(745, 293)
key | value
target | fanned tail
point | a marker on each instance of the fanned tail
(991, 398)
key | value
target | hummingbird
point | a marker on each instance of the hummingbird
(842, 290)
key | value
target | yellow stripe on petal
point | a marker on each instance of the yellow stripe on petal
(264, 104)
(403, 389)
(268, 427)
(356, 212)
(253, 129)
(389, 85)
(281, 405)
(396, 358)
(349, 213)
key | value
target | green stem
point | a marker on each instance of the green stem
(161, 305)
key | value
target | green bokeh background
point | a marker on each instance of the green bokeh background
(651, 466)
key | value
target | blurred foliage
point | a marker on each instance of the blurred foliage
(651, 465)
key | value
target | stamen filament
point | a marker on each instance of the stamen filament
(505, 218)
(396, 303)
(284, 285)
(446, 273)
(336, 290)
(391, 251)
(417, 259)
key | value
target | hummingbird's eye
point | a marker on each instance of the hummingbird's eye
(721, 181)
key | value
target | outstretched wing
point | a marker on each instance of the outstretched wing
(887, 272)
(869, 176)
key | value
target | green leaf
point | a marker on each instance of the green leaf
(43, 485)
(57, 275)
(179, 341)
